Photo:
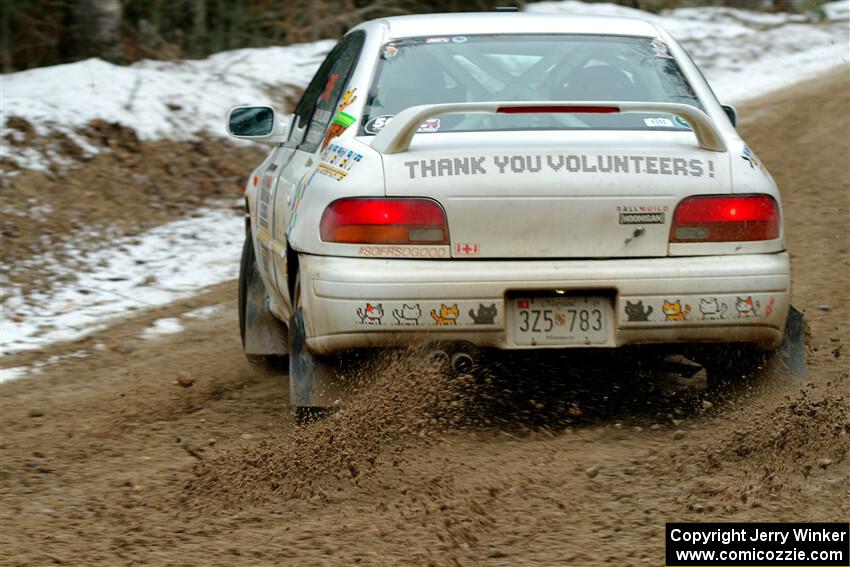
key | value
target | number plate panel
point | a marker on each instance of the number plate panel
(561, 320)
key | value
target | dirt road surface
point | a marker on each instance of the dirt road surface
(175, 451)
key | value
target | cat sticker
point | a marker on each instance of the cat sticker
(673, 310)
(372, 314)
(711, 309)
(407, 315)
(485, 315)
(446, 316)
(747, 307)
(637, 312)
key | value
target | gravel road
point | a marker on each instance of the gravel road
(174, 451)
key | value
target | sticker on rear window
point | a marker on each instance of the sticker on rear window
(430, 125)
(390, 51)
(661, 49)
(658, 122)
(377, 123)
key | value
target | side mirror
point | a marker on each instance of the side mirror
(257, 123)
(731, 113)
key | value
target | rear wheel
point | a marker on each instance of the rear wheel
(315, 387)
(733, 367)
(249, 277)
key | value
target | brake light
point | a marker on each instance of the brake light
(362, 220)
(720, 218)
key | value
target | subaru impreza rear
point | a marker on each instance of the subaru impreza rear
(589, 214)
(526, 182)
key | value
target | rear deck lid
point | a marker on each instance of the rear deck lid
(557, 194)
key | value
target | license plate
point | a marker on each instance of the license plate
(567, 320)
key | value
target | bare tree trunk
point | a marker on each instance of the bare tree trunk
(314, 15)
(96, 30)
(5, 51)
(199, 26)
(222, 21)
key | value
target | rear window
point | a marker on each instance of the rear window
(499, 68)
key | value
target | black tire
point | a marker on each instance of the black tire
(309, 375)
(308, 415)
(732, 368)
(247, 270)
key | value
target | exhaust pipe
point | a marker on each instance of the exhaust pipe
(462, 363)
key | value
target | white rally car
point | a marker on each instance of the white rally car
(511, 181)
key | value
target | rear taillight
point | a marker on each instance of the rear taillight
(720, 218)
(362, 220)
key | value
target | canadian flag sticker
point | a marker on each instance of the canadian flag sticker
(522, 304)
(466, 249)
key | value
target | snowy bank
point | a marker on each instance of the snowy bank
(160, 266)
(157, 99)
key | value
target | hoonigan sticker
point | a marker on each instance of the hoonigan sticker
(641, 218)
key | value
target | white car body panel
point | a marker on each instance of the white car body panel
(340, 289)
(501, 218)
(526, 185)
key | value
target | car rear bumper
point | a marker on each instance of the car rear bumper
(741, 298)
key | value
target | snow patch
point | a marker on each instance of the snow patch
(207, 312)
(158, 99)
(17, 372)
(167, 263)
(161, 327)
(837, 11)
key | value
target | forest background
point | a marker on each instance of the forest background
(37, 33)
